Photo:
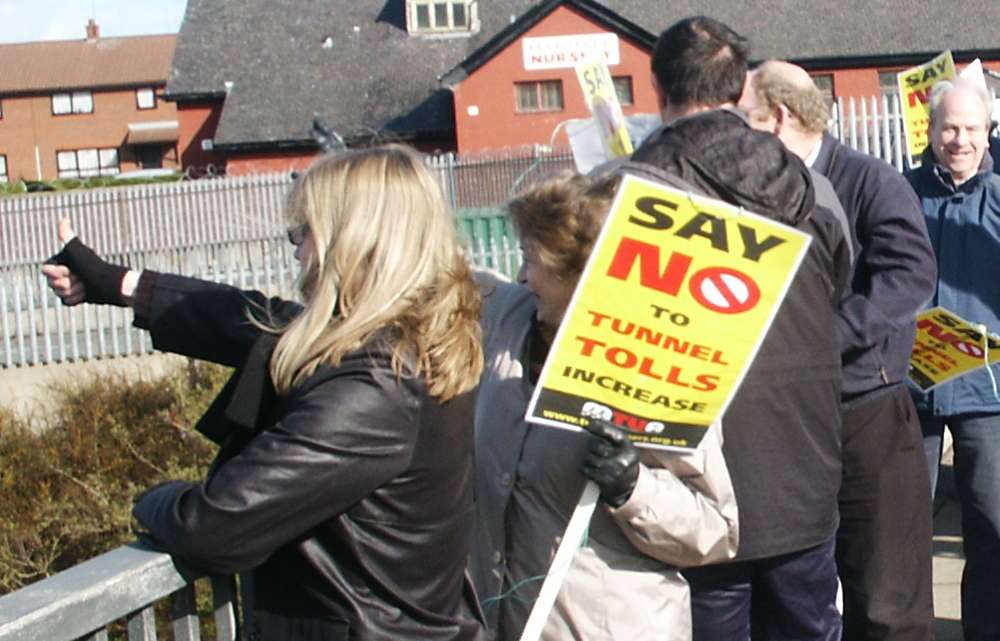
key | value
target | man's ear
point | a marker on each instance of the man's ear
(661, 100)
(748, 89)
(782, 118)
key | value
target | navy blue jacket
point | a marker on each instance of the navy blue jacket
(894, 270)
(964, 227)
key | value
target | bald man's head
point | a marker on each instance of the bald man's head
(793, 75)
(776, 84)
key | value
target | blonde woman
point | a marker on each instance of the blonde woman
(344, 477)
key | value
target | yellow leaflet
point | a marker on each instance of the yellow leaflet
(668, 315)
(948, 346)
(914, 93)
(599, 91)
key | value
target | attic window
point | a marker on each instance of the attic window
(439, 16)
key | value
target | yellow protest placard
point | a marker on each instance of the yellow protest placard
(602, 99)
(669, 312)
(914, 94)
(948, 346)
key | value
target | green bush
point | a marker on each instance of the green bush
(66, 490)
(17, 187)
(64, 184)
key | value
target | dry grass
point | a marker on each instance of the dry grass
(66, 491)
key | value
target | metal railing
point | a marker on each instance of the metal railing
(119, 587)
(36, 328)
(872, 125)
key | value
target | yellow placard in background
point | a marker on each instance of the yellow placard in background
(602, 99)
(914, 94)
(670, 311)
(948, 346)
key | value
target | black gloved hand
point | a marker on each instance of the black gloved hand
(101, 279)
(612, 462)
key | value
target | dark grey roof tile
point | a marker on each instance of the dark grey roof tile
(374, 77)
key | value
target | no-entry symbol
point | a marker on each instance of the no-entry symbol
(969, 348)
(724, 290)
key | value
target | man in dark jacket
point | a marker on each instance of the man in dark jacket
(782, 431)
(960, 195)
(884, 542)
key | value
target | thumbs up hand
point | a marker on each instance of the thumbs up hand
(76, 274)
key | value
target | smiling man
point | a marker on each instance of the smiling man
(959, 124)
(960, 196)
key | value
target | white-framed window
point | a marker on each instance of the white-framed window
(4, 174)
(77, 102)
(62, 103)
(82, 163)
(432, 16)
(541, 95)
(108, 159)
(623, 87)
(145, 98)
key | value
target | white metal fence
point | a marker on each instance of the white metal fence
(231, 230)
(37, 329)
(226, 230)
(873, 125)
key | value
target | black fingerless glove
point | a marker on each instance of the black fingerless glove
(612, 462)
(102, 280)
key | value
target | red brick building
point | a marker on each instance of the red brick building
(249, 76)
(88, 107)
(518, 92)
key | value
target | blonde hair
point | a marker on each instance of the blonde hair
(386, 256)
(804, 100)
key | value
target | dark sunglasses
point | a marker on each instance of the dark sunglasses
(297, 235)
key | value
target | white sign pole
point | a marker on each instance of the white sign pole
(562, 562)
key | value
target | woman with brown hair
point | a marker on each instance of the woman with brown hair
(344, 478)
(659, 510)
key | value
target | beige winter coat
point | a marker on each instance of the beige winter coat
(624, 583)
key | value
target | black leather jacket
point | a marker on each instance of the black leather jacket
(350, 498)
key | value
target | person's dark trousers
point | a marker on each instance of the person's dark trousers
(977, 478)
(885, 540)
(791, 597)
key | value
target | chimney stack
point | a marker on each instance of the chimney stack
(92, 30)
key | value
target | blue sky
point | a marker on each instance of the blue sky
(27, 20)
